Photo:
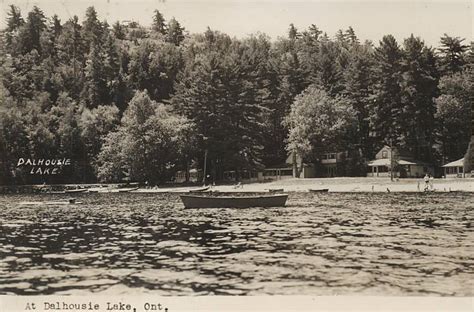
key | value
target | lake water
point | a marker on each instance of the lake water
(320, 244)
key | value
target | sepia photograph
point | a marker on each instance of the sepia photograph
(235, 148)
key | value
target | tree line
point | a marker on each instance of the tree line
(125, 101)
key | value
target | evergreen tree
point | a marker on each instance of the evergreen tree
(453, 114)
(216, 93)
(419, 88)
(56, 26)
(287, 70)
(67, 130)
(92, 30)
(261, 86)
(72, 55)
(159, 25)
(14, 19)
(175, 33)
(452, 54)
(49, 38)
(328, 74)
(341, 38)
(314, 32)
(154, 67)
(30, 33)
(387, 113)
(351, 36)
(14, 22)
(95, 91)
(114, 76)
(469, 70)
(118, 31)
(470, 55)
(358, 82)
(293, 32)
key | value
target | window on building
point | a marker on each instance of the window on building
(384, 154)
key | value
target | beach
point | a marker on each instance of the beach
(333, 185)
(339, 184)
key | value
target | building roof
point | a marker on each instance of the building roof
(401, 153)
(456, 163)
(280, 167)
(386, 162)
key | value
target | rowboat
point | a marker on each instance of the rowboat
(75, 191)
(126, 190)
(70, 201)
(131, 184)
(200, 190)
(276, 190)
(201, 201)
(318, 190)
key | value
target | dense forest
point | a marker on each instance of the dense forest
(127, 101)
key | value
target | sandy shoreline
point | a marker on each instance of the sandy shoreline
(336, 185)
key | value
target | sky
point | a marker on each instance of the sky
(371, 19)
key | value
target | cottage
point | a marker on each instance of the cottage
(195, 175)
(454, 169)
(307, 170)
(404, 165)
(280, 172)
(330, 163)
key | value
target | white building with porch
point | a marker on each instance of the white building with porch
(404, 165)
(454, 169)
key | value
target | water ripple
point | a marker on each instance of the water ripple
(320, 244)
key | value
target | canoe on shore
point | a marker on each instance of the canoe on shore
(200, 190)
(276, 190)
(71, 201)
(76, 191)
(126, 190)
(201, 201)
(318, 190)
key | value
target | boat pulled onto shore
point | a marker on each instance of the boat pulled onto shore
(207, 201)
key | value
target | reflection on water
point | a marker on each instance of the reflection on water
(320, 244)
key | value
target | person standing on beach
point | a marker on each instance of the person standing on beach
(431, 182)
(427, 182)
